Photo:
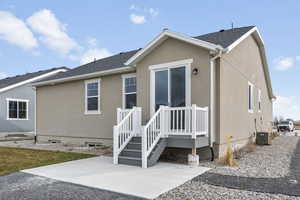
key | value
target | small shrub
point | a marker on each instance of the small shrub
(238, 153)
(228, 159)
(248, 148)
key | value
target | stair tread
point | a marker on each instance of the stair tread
(134, 142)
(130, 158)
(135, 150)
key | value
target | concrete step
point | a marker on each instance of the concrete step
(136, 139)
(125, 160)
(136, 153)
(134, 145)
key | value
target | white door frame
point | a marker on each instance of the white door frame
(166, 66)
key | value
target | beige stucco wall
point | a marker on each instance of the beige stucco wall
(169, 51)
(60, 109)
(236, 68)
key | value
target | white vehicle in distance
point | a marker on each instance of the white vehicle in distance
(285, 126)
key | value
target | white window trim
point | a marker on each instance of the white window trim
(97, 112)
(17, 100)
(251, 97)
(124, 77)
(180, 63)
(259, 100)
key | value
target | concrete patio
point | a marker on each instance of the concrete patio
(101, 173)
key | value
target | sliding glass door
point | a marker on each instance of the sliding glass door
(170, 87)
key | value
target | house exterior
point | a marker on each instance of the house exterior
(177, 91)
(17, 101)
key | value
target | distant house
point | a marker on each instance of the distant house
(178, 91)
(17, 101)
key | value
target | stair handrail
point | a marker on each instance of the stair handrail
(128, 127)
(151, 135)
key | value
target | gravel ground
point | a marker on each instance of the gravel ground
(101, 150)
(271, 161)
(266, 162)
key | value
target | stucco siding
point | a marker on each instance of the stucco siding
(239, 66)
(61, 109)
(169, 51)
(25, 92)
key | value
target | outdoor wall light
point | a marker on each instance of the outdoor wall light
(195, 71)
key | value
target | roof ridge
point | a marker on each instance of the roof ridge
(24, 74)
(225, 30)
(101, 59)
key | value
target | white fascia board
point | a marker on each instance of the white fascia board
(163, 36)
(85, 76)
(31, 80)
(238, 41)
(261, 45)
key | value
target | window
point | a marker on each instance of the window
(250, 97)
(259, 100)
(92, 96)
(129, 91)
(17, 109)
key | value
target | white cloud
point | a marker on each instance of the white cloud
(15, 31)
(284, 63)
(52, 31)
(287, 107)
(137, 19)
(133, 7)
(143, 12)
(3, 75)
(92, 42)
(92, 54)
(153, 12)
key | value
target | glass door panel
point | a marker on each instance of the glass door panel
(177, 87)
(161, 88)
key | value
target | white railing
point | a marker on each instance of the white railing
(191, 120)
(129, 126)
(151, 134)
(121, 114)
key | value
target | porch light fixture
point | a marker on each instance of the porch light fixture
(195, 71)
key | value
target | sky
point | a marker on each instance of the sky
(36, 35)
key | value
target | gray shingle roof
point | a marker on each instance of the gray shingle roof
(223, 38)
(108, 63)
(20, 78)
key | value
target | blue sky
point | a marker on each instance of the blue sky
(37, 35)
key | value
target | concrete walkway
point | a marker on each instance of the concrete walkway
(99, 172)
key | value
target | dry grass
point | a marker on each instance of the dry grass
(15, 159)
(228, 159)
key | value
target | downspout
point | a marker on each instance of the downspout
(212, 99)
(35, 111)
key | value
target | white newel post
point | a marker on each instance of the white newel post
(193, 158)
(206, 122)
(134, 121)
(144, 147)
(162, 120)
(194, 120)
(118, 115)
(116, 145)
(138, 121)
